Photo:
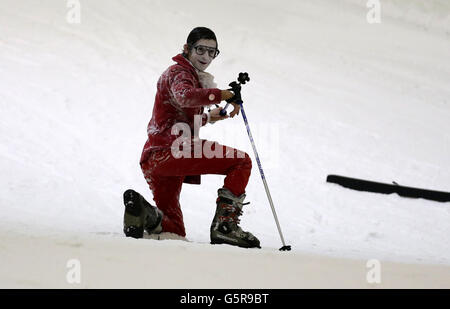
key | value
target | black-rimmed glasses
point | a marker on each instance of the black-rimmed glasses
(201, 49)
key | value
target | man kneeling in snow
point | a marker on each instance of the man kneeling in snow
(183, 91)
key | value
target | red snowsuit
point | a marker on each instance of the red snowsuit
(179, 98)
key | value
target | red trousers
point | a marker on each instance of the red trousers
(165, 175)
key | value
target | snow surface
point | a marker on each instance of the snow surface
(329, 94)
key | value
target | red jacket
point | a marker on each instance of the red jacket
(179, 98)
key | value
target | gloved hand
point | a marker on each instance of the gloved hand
(227, 95)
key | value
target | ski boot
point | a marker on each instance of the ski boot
(224, 228)
(140, 215)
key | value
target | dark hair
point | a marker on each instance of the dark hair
(200, 33)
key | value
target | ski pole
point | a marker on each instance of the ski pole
(243, 77)
(266, 187)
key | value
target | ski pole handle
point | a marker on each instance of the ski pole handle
(236, 88)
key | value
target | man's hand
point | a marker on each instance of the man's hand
(226, 95)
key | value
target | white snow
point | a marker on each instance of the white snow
(329, 94)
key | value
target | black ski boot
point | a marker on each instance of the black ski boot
(225, 228)
(140, 215)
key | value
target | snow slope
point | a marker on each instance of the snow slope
(329, 94)
(46, 261)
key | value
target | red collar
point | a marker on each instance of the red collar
(181, 60)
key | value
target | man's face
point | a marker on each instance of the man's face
(201, 62)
